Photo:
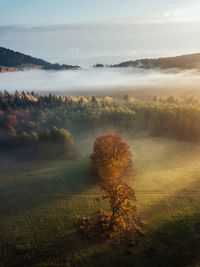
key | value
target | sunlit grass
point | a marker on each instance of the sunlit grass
(41, 204)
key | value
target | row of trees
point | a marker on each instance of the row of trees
(22, 100)
(52, 144)
(111, 162)
(32, 113)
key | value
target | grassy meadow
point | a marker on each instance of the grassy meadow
(42, 202)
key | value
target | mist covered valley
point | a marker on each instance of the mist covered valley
(136, 82)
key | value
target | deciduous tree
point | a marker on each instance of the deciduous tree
(111, 157)
(120, 222)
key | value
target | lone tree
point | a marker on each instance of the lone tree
(111, 157)
(119, 223)
(111, 160)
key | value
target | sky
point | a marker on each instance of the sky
(108, 31)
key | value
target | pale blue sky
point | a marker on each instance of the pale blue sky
(107, 31)
(15, 12)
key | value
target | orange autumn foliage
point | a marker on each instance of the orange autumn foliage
(119, 195)
(111, 160)
(111, 157)
(120, 222)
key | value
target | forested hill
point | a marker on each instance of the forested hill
(10, 58)
(184, 62)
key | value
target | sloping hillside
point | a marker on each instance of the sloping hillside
(191, 61)
(10, 58)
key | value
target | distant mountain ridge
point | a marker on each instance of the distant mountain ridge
(191, 61)
(17, 60)
(12, 61)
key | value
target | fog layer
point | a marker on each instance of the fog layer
(91, 80)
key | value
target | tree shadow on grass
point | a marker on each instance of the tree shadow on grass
(26, 194)
(178, 242)
(173, 242)
(175, 239)
(60, 251)
(26, 240)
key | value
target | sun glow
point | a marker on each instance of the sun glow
(188, 13)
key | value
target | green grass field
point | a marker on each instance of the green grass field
(42, 202)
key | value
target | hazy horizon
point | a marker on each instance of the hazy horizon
(105, 81)
(91, 32)
(100, 31)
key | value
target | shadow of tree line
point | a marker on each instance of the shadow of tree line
(172, 243)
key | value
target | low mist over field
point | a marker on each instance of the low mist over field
(100, 80)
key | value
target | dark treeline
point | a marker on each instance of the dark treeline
(28, 118)
(51, 144)
(10, 58)
(24, 127)
(183, 62)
